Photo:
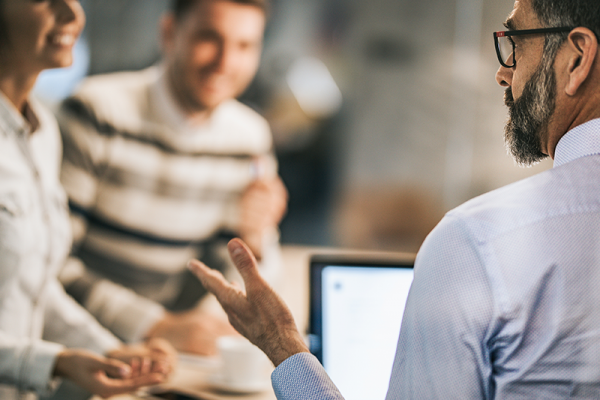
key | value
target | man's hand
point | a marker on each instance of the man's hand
(100, 375)
(259, 313)
(153, 356)
(263, 205)
(193, 331)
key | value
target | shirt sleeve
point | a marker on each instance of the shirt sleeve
(442, 350)
(125, 313)
(28, 364)
(121, 310)
(301, 376)
(67, 323)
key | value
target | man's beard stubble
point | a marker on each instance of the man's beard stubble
(529, 115)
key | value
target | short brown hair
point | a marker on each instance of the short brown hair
(181, 7)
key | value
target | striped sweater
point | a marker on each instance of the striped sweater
(150, 189)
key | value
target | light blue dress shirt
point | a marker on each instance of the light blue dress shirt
(505, 302)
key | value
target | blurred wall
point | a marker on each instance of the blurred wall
(123, 34)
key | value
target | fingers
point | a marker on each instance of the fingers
(245, 262)
(146, 366)
(101, 375)
(260, 315)
(154, 356)
(164, 356)
(118, 377)
(161, 367)
(212, 280)
(115, 368)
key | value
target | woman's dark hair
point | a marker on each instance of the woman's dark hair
(181, 7)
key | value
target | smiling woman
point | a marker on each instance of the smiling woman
(44, 334)
(39, 35)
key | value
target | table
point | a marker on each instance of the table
(193, 374)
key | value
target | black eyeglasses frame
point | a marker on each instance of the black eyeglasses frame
(520, 33)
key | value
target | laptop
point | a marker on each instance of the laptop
(356, 308)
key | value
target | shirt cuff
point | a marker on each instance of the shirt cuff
(302, 376)
(37, 372)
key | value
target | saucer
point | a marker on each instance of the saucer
(217, 381)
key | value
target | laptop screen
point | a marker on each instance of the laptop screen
(356, 312)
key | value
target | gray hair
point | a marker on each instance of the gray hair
(575, 13)
(566, 13)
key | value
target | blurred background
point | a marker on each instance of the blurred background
(385, 114)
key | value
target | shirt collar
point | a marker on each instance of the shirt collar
(169, 111)
(581, 141)
(12, 120)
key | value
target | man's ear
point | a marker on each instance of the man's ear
(167, 32)
(584, 49)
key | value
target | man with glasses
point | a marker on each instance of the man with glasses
(505, 300)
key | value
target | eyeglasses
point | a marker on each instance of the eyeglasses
(505, 46)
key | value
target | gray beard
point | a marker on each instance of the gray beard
(529, 116)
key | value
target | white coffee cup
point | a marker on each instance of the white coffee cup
(243, 365)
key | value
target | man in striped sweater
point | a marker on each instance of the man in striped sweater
(161, 165)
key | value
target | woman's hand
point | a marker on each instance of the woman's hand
(100, 375)
(155, 355)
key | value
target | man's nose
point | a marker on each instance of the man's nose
(504, 76)
(225, 58)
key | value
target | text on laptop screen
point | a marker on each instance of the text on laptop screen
(362, 310)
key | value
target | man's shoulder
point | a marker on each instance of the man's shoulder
(564, 190)
(115, 84)
(120, 99)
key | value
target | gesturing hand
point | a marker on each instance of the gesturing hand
(258, 313)
(100, 375)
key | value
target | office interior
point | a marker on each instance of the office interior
(385, 114)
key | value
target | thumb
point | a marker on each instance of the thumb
(245, 262)
(115, 368)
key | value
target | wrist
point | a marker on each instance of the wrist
(62, 362)
(286, 348)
